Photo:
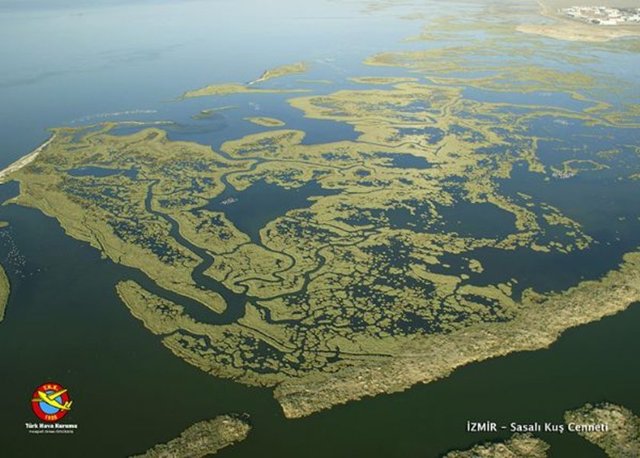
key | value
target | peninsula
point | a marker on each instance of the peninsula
(620, 435)
(237, 88)
(203, 439)
(518, 446)
(5, 289)
(279, 72)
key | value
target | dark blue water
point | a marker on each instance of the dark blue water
(101, 172)
(555, 99)
(252, 208)
(405, 161)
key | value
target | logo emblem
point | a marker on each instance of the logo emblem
(50, 402)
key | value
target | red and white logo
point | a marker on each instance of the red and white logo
(51, 402)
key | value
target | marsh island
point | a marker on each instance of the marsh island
(203, 439)
(619, 434)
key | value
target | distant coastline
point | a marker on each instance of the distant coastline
(571, 29)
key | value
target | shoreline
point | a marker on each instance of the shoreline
(565, 28)
(24, 160)
(5, 291)
(30, 157)
(540, 324)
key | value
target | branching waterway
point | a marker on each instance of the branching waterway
(235, 302)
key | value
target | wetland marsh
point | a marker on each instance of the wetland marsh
(441, 223)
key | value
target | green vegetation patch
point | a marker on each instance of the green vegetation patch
(234, 88)
(265, 121)
(518, 446)
(283, 70)
(204, 438)
(618, 434)
(5, 289)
